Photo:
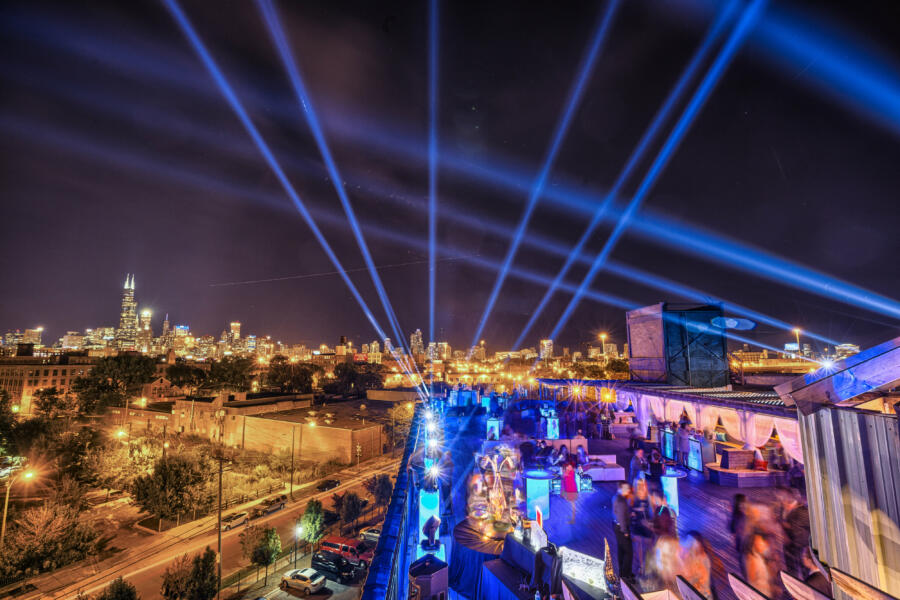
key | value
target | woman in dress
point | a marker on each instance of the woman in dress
(570, 486)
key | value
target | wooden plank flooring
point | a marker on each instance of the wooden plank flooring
(705, 507)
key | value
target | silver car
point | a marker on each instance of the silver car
(370, 534)
(308, 581)
(234, 520)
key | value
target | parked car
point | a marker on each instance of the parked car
(307, 580)
(370, 534)
(355, 551)
(234, 520)
(328, 484)
(332, 564)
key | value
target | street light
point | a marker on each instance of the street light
(298, 532)
(27, 475)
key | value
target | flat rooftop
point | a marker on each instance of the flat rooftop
(343, 415)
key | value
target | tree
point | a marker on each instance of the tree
(313, 522)
(384, 489)
(45, 538)
(112, 380)
(175, 486)
(617, 365)
(351, 508)
(588, 371)
(250, 538)
(204, 581)
(291, 377)
(401, 421)
(49, 404)
(176, 579)
(70, 492)
(267, 550)
(7, 423)
(337, 501)
(231, 373)
(186, 376)
(119, 589)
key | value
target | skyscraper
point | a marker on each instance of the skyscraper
(235, 331)
(416, 343)
(126, 335)
(145, 332)
(388, 346)
(546, 349)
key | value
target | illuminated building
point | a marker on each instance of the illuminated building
(235, 331)
(126, 334)
(250, 343)
(388, 347)
(73, 340)
(845, 350)
(33, 336)
(546, 349)
(145, 332)
(21, 377)
(374, 347)
(365, 349)
(416, 344)
(444, 352)
(431, 353)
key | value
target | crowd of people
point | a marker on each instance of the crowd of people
(769, 537)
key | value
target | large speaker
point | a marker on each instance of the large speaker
(678, 345)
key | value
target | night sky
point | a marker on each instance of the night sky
(120, 156)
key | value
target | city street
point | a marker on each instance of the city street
(333, 590)
(145, 568)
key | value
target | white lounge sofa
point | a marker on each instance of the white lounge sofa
(603, 467)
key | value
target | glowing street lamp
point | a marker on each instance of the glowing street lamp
(298, 533)
(27, 476)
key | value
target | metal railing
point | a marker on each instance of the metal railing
(387, 578)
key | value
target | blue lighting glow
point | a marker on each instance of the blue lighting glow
(275, 29)
(715, 31)
(432, 160)
(690, 112)
(537, 492)
(537, 189)
(829, 60)
(237, 107)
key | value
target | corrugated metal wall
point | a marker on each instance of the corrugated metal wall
(853, 486)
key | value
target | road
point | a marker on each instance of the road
(145, 568)
(332, 590)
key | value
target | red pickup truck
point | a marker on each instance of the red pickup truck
(357, 552)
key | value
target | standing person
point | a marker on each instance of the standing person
(795, 522)
(641, 513)
(624, 548)
(738, 523)
(570, 487)
(761, 564)
(638, 465)
(696, 564)
(684, 444)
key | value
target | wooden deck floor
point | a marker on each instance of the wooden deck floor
(705, 507)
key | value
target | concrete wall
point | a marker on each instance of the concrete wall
(319, 443)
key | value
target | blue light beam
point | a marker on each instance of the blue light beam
(862, 85)
(715, 31)
(236, 106)
(273, 24)
(562, 128)
(433, 32)
(690, 112)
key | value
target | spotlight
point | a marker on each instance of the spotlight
(434, 471)
(827, 364)
(431, 427)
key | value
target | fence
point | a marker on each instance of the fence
(386, 578)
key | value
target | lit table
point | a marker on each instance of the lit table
(537, 492)
(669, 480)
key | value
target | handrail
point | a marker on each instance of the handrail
(386, 578)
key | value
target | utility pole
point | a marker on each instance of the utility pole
(221, 459)
(292, 466)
